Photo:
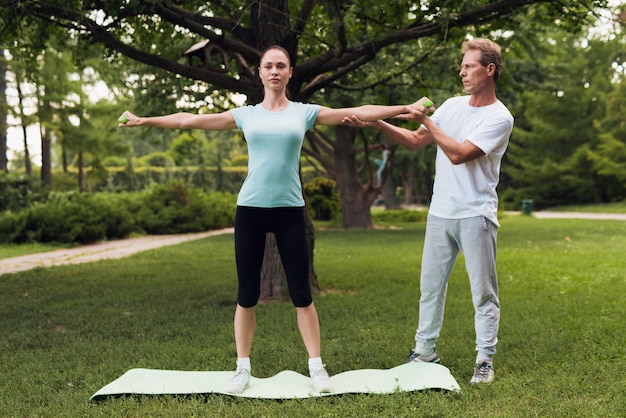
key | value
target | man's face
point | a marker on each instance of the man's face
(474, 75)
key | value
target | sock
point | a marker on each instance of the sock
(315, 361)
(243, 363)
(481, 358)
(424, 352)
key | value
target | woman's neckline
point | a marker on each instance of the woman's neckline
(276, 110)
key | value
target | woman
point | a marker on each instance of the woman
(270, 199)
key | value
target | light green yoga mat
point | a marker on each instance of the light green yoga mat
(284, 385)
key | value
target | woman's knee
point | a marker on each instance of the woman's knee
(248, 298)
(301, 299)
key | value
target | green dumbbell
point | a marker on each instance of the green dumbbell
(428, 104)
(123, 119)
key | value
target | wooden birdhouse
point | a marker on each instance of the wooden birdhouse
(208, 56)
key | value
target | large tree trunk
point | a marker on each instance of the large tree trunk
(389, 194)
(356, 199)
(273, 279)
(3, 113)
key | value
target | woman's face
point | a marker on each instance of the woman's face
(275, 70)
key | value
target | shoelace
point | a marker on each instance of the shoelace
(319, 372)
(239, 375)
(415, 356)
(483, 370)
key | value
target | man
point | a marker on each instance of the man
(471, 133)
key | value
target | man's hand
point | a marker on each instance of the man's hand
(355, 122)
(418, 110)
(424, 104)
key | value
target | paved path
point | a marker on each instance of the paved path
(106, 250)
(126, 247)
(577, 215)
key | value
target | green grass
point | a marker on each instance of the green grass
(617, 207)
(68, 331)
(15, 250)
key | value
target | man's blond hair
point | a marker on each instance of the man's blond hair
(490, 53)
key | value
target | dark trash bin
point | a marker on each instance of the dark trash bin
(527, 206)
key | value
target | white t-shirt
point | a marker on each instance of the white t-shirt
(469, 189)
(274, 143)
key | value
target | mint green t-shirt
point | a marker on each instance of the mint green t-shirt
(274, 142)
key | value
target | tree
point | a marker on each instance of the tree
(609, 156)
(59, 104)
(555, 133)
(23, 96)
(227, 38)
(52, 87)
(24, 118)
(234, 33)
(89, 138)
(3, 112)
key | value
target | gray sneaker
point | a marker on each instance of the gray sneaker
(483, 373)
(417, 357)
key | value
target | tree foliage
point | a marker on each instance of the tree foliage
(345, 53)
(554, 157)
(327, 39)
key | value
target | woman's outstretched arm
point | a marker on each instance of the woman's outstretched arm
(211, 122)
(367, 113)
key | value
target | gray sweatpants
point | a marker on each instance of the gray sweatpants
(476, 239)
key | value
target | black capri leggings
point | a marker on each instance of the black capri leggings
(287, 224)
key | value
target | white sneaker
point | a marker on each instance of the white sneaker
(483, 373)
(321, 380)
(238, 382)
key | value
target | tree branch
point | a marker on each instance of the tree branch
(320, 148)
(385, 79)
(315, 73)
(330, 61)
(303, 16)
(102, 35)
(191, 21)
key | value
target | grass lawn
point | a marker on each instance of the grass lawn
(15, 250)
(67, 331)
(617, 207)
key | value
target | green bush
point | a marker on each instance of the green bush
(322, 199)
(120, 179)
(158, 159)
(65, 181)
(399, 215)
(11, 226)
(114, 161)
(84, 218)
(19, 191)
(174, 208)
(240, 161)
(71, 218)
